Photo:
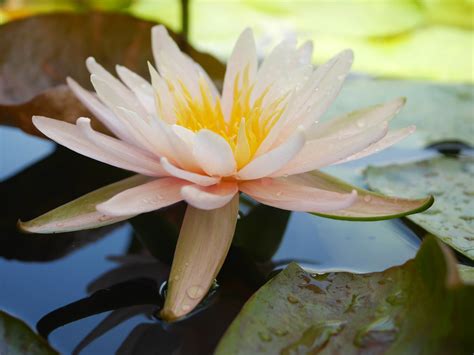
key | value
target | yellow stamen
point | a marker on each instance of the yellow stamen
(248, 124)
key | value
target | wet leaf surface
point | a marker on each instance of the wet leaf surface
(429, 106)
(450, 180)
(419, 305)
(57, 46)
(17, 338)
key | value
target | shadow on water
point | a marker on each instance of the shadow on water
(87, 301)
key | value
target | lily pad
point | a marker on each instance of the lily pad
(17, 338)
(57, 46)
(451, 182)
(429, 106)
(385, 312)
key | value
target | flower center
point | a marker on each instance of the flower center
(249, 122)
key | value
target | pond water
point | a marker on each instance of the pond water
(42, 274)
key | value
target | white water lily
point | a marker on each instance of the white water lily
(187, 141)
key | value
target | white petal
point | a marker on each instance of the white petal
(319, 92)
(210, 197)
(357, 121)
(127, 97)
(171, 63)
(144, 198)
(213, 154)
(390, 139)
(199, 179)
(99, 110)
(284, 194)
(318, 153)
(273, 160)
(305, 52)
(243, 55)
(140, 87)
(71, 137)
(123, 150)
(164, 99)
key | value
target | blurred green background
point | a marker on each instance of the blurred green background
(415, 39)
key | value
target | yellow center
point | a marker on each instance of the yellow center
(248, 123)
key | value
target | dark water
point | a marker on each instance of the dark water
(41, 274)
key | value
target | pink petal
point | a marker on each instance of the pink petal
(73, 138)
(213, 154)
(202, 247)
(313, 99)
(318, 153)
(357, 121)
(273, 160)
(209, 197)
(199, 179)
(283, 193)
(390, 139)
(144, 198)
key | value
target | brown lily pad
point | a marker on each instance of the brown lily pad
(40, 52)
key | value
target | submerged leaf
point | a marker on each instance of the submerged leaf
(81, 213)
(383, 312)
(369, 206)
(451, 182)
(17, 338)
(57, 46)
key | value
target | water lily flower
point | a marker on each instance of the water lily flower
(187, 141)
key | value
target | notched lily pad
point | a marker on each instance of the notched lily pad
(429, 106)
(385, 312)
(56, 46)
(17, 338)
(451, 218)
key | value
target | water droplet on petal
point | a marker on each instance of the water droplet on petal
(367, 198)
(195, 292)
(265, 336)
(185, 307)
(59, 224)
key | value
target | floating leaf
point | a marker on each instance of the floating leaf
(56, 46)
(369, 206)
(384, 312)
(451, 182)
(17, 338)
(429, 106)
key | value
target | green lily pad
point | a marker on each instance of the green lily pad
(81, 213)
(17, 338)
(451, 182)
(429, 106)
(421, 307)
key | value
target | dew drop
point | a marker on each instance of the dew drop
(340, 77)
(292, 299)
(265, 336)
(397, 298)
(314, 338)
(59, 224)
(279, 193)
(185, 307)
(104, 218)
(382, 330)
(367, 198)
(360, 123)
(195, 292)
